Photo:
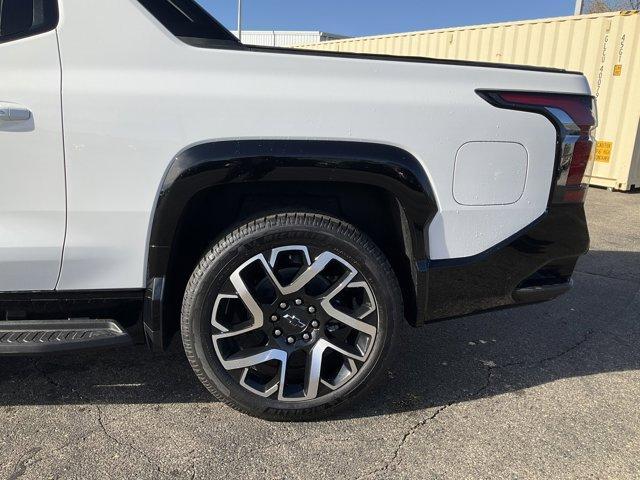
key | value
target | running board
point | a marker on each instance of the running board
(27, 337)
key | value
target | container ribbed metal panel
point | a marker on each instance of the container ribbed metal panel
(604, 46)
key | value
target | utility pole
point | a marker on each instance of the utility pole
(240, 20)
(579, 7)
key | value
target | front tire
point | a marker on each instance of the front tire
(291, 316)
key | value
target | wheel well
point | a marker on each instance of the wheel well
(214, 212)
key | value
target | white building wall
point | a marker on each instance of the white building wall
(285, 38)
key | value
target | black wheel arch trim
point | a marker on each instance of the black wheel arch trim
(218, 163)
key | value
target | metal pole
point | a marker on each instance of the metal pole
(240, 20)
(579, 7)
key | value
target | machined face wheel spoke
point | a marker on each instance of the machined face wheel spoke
(252, 358)
(305, 339)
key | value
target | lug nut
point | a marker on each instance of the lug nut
(290, 340)
(312, 309)
(315, 324)
(283, 305)
(277, 332)
(298, 301)
(306, 337)
(274, 318)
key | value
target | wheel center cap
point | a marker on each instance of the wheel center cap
(295, 320)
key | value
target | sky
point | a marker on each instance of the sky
(370, 17)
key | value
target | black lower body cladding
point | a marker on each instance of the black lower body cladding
(540, 259)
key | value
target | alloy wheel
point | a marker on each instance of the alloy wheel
(294, 323)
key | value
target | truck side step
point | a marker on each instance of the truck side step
(29, 337)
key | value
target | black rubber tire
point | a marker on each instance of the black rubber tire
(259, 235)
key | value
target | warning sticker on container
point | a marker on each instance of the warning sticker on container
(617, 70)
(603, 151)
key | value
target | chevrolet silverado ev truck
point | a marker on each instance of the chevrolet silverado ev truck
(284, 211)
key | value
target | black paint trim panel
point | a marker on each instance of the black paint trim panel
(52, 15)
(216, 44)
(187, 19)
(406, 59)
(122, 305)
(540, 257)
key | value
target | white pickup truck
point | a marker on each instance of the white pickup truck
(284, 210)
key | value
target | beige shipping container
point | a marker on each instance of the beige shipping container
(603, 46)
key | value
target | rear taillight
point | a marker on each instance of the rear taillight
(575, 119)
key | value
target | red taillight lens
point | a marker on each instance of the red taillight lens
(575, 119)
(582, 150)
(578, 107)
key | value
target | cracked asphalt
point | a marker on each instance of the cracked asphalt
(545, 391)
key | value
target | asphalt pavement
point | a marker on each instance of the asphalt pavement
(545, 391)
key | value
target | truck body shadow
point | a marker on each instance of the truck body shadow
(594, 329)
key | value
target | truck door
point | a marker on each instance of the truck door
(32, 176)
